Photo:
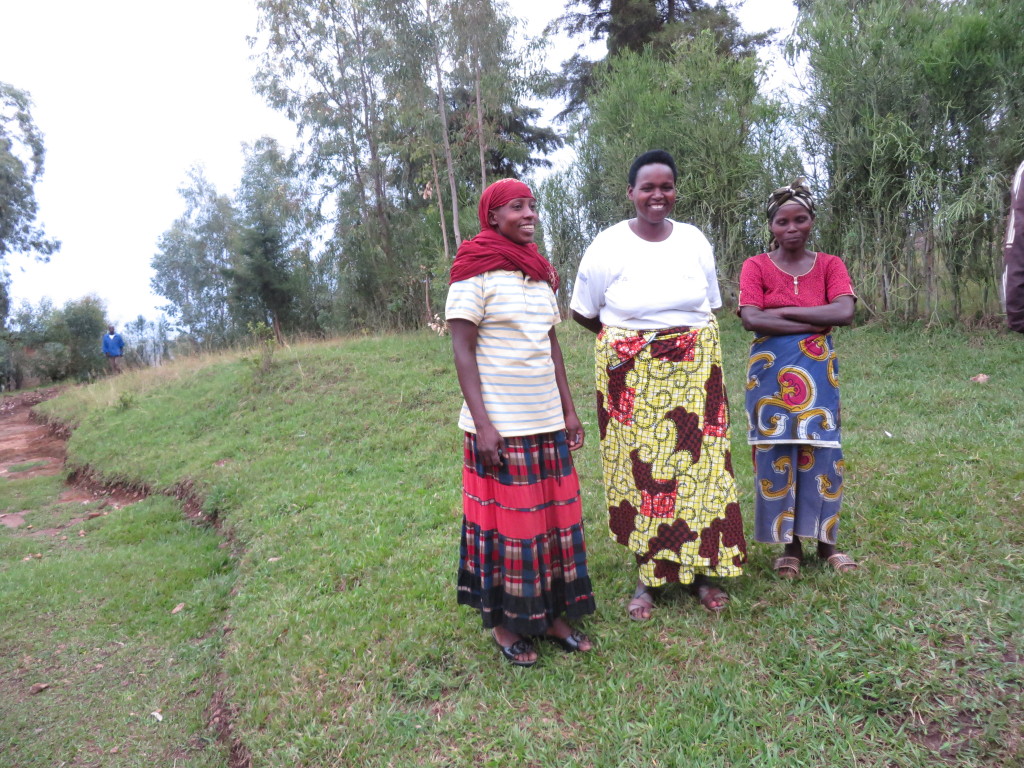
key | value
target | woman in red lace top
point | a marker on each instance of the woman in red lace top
(791, 298)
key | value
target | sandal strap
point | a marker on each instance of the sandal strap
(787, 562)
(839, 559)
(520, 647)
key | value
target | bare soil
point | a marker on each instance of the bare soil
(29, 448)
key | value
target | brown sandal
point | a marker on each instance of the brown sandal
(787, 566)
(842, 562)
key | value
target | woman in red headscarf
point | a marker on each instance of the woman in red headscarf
(523, 562)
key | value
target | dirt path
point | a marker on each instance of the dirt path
(30, 449)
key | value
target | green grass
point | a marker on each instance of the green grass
(91, 617)
(335, 477)
(25, 466)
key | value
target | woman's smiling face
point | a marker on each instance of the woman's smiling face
(516, 219)
(654, 194)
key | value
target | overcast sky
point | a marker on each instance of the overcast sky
(129, 96)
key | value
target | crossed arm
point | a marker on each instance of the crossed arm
(780, 321)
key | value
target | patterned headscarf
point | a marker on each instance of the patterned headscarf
(797, 192)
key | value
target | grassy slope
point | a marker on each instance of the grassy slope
(337, 474)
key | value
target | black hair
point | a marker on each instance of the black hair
(651, 157)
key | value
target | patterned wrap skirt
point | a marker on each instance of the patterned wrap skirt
(664, 421)
(523, 558)
(793, 425)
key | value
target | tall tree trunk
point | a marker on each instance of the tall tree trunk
(276, 324)
(440, 206)
(480, 124)
(443, 114)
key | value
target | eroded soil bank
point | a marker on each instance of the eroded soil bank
(29, 448)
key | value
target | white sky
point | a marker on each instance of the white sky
(129, 95)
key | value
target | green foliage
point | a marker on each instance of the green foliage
(399, 156)
(54, 344)
(913, 116)
(80, 326)
(265, 342)
(191, 264)
(21, 166)
(636, 25)
(270, 203)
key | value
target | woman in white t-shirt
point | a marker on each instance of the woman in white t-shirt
(647, 288)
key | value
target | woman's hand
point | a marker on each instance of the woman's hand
(573, 431)
(490, 445)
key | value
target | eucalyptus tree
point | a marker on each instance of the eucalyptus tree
(191, 264)
(388, 97)
(268, 239)
(21, 166)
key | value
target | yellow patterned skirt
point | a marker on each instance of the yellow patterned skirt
(664, 421)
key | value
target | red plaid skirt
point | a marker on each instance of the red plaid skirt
(523, 558)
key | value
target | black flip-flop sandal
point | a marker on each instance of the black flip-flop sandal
(570, 643)
(518, 648)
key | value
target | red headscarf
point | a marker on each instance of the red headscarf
(490, 250)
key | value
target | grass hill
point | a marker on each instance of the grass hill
(319, 625)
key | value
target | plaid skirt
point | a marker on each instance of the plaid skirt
(523, 558)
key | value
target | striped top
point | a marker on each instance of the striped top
(513, 352)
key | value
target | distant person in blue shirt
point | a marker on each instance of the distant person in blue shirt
(113, 348)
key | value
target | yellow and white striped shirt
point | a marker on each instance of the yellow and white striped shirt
(513, 314)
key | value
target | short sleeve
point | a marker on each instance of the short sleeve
(589, 289)
(711, 273)
(556, 315)
(466, 300)
(837, 281)
(752, 288)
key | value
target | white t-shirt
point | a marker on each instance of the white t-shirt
(513, 315)
(632, 283)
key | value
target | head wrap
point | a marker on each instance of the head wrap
(491, 250)
(797, 192)
(497, 194)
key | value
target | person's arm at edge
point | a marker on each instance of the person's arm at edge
(592, 324)
(573, 427)
(489, 441)
(1013, 257)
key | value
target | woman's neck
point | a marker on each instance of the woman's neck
(652, 233)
